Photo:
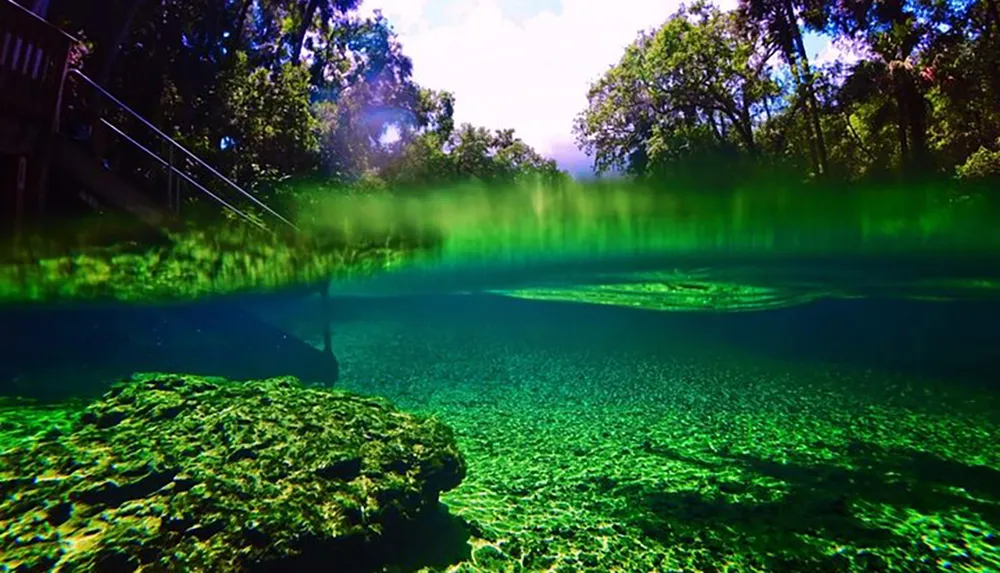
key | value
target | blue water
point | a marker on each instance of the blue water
(839, 435)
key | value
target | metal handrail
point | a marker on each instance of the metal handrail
(181, 148)
(186, 177)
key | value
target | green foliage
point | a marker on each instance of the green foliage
(369, 183)
(698, 86)
(469, 153)
(270, 89)
(273, 131)
(698, 99)
(964, 71)
(982, 164)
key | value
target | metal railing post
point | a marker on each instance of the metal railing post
(170, 178)
(179, 147)
(179, 175)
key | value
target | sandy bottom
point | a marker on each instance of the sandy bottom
(595, 445)
(589, 453)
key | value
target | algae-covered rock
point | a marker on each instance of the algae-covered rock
(22, 418)
(187, 473)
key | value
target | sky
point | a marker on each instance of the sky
(527, 64)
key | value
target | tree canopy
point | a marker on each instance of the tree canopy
(714, 86)
(268, 89)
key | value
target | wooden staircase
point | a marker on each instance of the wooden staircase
(45, 171)
(34, 56)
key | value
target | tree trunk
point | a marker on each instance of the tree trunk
(901, 137)
(915, 117)
(241, 22)
(112, 43)
(992, 23)
(308, 11)
(992, 17)
(784, 17)
(747, 122)
(812, 105)
(715, 128)
(802, 96)
(104, 61)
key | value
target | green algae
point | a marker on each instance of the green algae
(190, 265)
(173, 472)
(350, 238)
(667, 296)
(588, 220)
(699, 291)
(608, 460)
(525, 239)
(22, 419)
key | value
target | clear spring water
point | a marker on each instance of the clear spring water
(835, 412)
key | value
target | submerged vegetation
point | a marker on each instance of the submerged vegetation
(345, 238)
(192, 264)
(760, 217)
(169, 472)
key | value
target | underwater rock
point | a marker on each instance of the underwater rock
(186, 473)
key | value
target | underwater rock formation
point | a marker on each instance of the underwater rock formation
(185, 473)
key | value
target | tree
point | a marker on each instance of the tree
(894, 33)
(219, 77)
(779, 19)
(700, 83)
(962, 71)
(697, 96)
(271, 128)
(364, 90)
(328, 11)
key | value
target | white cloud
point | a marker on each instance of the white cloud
(533, 77)
(406, 15)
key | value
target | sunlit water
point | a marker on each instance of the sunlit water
(664, 408)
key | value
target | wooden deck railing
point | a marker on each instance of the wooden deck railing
(33, 59)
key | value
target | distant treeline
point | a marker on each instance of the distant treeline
(309, 89)
(918, 94)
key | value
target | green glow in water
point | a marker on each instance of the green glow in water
(471, 227)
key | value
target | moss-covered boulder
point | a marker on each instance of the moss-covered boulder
(185, 473)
